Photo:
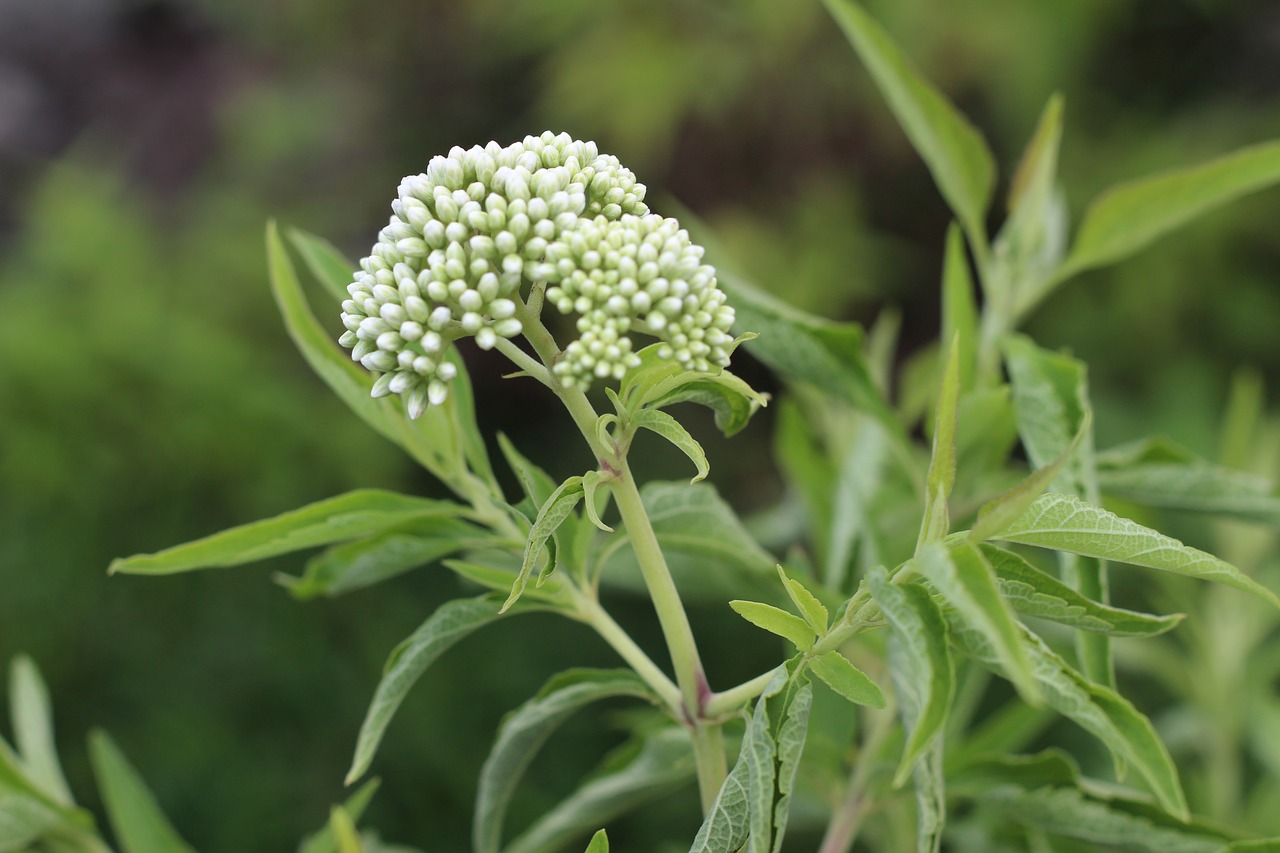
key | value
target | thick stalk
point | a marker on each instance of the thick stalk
(598, 618)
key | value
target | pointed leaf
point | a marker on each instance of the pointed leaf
(968, 583)
(732, 400)
(33, 729)
(558, 507)
(536, 483)
(356, 565)
(790, 742)
(139, 825)
(1066, 523)
(776, 621)
(1098, 709)
(408, 661)
(925, 680)
(24, 820)
(324, 840)
(1032, 241)
(843, 677)
(1035, 593)
(724, 830)
(954, 151)
(591, 482)
(1131, 216)
(599, 843)
(694, 519)
(959, 311)
(524, 731)
(942, 464)
(669, 428)
(808, 605)
(638, 772)
(348, 516)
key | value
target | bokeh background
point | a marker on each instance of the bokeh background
(148, 393)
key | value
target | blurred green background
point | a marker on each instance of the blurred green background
(148, 393)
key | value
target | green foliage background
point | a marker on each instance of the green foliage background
(148, 393)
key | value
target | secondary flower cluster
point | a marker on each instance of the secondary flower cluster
(467, 235)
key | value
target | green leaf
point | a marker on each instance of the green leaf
(776, 621)
(640, 771)
(591, 482)
(695, 520)
(950, 146)
(1032, 241)
(860, 477)
(1033, 179)
(931, 798)
(1131, 216)
(326, 263)
(33, 729)
(431, 441)
(924, 678)
(790, 742)
(408, 661)
(732, 400)
(968, 583)
(669, 428)
(1069, 812)
(524, 731)
(942, 464)
(324, 841)
(1159, 474)
(343, 826)
(364, 562)
(1001, 510)
(24, 820)
(536, 483)
(808, 605)
(840, 675)
(1098, 709)
(348, 516)
(959, 311)
(724, 830)
(599, 843)
(557, 508)
(139, 825)
(1066, 523)
(1035, 593)
(499, 578)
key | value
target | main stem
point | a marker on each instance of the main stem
(708, 742)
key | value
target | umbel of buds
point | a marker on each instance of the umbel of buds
(468, 238)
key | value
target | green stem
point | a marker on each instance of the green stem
(598, 618)
(674, 622)
(729, 701)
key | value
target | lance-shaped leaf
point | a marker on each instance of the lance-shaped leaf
(926, 673)
(348, 516)
(1159, 473)
(33, 729)
(524, 731)
(1032, 240)
(558, 507)
(777, 621)
(843, 677)
(669, 428)
(1071, 813)
(24, 821)
(724, 830)
(599, 843)
(1066, 523)
(408, 661)
(139, 825)
(950, 146)
(1035, 593)
(431, 440)
(959, 311)
(355, 565)
(658, 764)
(695, 520)
(327, 264)
(1099, 710)
(1131, 216)
(805, 601)
(771, 748)
(942, 464)
(536, 484)
(731, 400)
(968, 583)
(325, 841)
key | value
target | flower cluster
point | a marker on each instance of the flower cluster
(466, 236)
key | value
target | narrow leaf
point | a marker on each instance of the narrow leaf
(408, 661)
(957, 156)
(967, 581)
(695, 520)
(669, 428)
(790, 742)
(843, 677)
(599, 843)
(554, 512)
(348, 516)
(724, 830)
(732, 400)
(776, 621)
(326, 263)
(1066, 523)
(808, 605)
(33, 729)
(942, 464)
(324, 841)
(1131, 216)
(591, 482)
(657, 765)
(1035, 593)
(345, 835)
(24, 821)
(926, 676)
(959, 311)
(536, 483)
(139, 825)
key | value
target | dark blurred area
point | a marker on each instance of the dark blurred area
(149, 394)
